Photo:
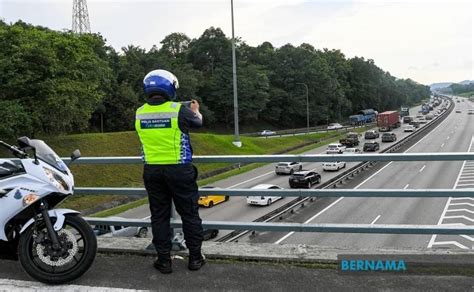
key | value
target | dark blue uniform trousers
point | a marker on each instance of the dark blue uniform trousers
(178, 183)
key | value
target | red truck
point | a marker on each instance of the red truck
(389, 120)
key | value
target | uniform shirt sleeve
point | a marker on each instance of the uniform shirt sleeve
(188, 119)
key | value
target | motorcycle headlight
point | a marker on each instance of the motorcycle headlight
(55, 179)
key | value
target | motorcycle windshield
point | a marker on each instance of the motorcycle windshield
(46, 154)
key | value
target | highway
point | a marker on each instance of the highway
(236, 209)
(455, 134)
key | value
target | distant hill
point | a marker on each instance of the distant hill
(440, 85)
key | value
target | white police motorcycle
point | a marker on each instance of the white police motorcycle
(53, 245)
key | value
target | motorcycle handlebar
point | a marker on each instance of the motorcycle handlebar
(17, 152)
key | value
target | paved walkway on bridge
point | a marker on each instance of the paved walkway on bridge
(135, 272)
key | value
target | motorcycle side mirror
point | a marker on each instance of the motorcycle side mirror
(76, 154)
(24, 143)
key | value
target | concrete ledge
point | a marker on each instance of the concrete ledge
(298, 253)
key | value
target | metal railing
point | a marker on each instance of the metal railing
(300, 227)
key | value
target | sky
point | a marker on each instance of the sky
(427, 41)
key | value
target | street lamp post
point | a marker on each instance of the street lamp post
(237, 141)
(307, 105)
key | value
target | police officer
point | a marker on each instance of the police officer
(163, 127)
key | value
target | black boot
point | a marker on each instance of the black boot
(196, 261)
(163, 264)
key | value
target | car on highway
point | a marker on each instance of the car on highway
(335, 148)
(389, 137)
(334, 126)
(267, 133)
(371, 134)
(305, 179)
(458, 111)
(335, 165)
(422, 120)
(263, 200)
(208, 234)
(352, 151)
(470, 112)
(119, 231)
(210, 201)
(407, 119)
(409, 128)
(371, 146)
(288, 167)
(415, 124)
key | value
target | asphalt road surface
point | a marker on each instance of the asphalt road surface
(455, 134)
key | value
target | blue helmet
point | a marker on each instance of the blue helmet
(160, 82)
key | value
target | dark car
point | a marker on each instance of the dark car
(389, 137)
(210, 233)
(371, 134)
(371, 146)
(304, 179)
(415, 124)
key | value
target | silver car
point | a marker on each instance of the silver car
(288, 167)
(120, 231)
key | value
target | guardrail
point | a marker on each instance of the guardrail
(350, 228)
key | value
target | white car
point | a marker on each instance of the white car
(267, 133)
(120, 231)
(334, 126)
(409, 128)
(263, 200)
(336, 165)
(352, 151)
(335, 148)
(288, 167)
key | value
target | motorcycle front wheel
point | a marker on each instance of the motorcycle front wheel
(78, 247)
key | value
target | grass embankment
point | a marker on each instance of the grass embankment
(127, 144)
(467, 94)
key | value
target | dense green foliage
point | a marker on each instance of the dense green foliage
(57, 82)
(461, 88)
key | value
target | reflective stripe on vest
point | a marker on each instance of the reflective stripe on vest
(162, 140)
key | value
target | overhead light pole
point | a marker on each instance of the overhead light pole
(307, 105)
(237, 141)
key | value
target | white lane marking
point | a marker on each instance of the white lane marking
(466, 185)
(442, 145)
(249, 180)
(307, 221)
(375, 220)
(460, 217)
(406, 187)
(451, 242)
(467, 237)
(423, 168)
(461, 210)
(463, 198)
(18, 285)
(359, 185)
(459, 204)
(433, 237)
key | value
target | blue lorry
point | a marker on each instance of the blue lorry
(363, 117)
